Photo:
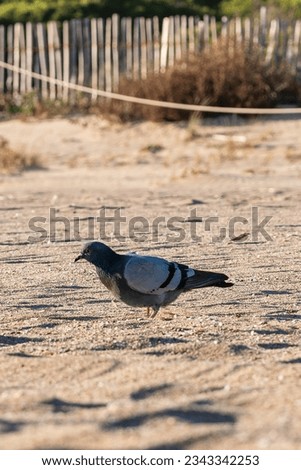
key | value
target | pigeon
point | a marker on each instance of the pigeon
(146, 281)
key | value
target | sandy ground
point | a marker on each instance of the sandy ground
(221, 368)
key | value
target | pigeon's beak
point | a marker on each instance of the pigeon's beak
(78, 258)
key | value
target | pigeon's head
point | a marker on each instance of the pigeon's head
(95, 253)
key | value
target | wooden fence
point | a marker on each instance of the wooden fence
(97, 52)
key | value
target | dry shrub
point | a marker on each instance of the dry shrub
(13, 162)
(222, 76)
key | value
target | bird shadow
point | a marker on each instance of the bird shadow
(23, 355)
(275, 292)
(13, 340)
(276, 331)
(192, 415)
(74, 317)
(280, 316)
(10, 426)
(144, 393)
(151, 342)
(36, 306)
(276, 345)
(238, 348)
(156, 341)
(41, 325)
(61, 406)
(189, 443)
(297, 360)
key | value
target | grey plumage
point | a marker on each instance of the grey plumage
(146, 281)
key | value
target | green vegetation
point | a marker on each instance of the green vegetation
(12, 11)
(289, 8)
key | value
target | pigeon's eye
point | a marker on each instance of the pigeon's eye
(87, 251)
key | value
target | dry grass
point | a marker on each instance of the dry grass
(221, 76)
(14, 162)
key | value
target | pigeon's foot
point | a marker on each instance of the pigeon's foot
(167, 315)
(154, 312)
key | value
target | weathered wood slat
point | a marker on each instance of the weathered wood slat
(73, 52)
(177, 36)
(149, 45)
(16, 57)
(101, 53)
(2, 57)
(41, 39)
(29, 55)
(224, 27)
(206, 21)
(273, 41)
(10, 58)
(164, 44)
(22, 60)
(247, 27)
(184, 35)
(122, 47)
(191, 35)
(94, 57)
(296, 44)
(58, 58)
(136, 50)
(80, 52)
(213, 29)
(66, 58)
(36, 60)
(238, 30)
(201, 35)
(115, 55)
(108, 55)
(156, 44)
(51, 58)
(86, 27)
(129, 48)
(171, 42)
(262, 26)
(143, 47)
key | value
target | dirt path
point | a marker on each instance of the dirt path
(81, 371)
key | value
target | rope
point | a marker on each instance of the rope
(148, 102)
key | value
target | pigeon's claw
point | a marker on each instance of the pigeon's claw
(155, 311)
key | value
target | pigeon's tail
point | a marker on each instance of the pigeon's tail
(206, 279)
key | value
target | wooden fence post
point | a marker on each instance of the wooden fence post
(51, 55)
(164, 44)
(16, 57)
(149, 45)
(184, 35)
(115, 53)
(108, 55)
(136, 50)
(41, 39)
(143, 48)
(101, 53)
(66, 58)
(2, 57)
(156, 44)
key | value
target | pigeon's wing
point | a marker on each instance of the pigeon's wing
(151, 275)
(206, 279)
